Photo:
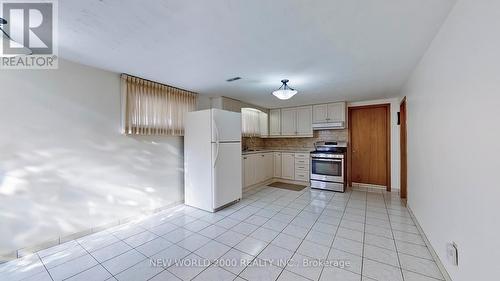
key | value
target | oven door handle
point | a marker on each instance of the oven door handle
(327, 159)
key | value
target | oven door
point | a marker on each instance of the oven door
(327, 169)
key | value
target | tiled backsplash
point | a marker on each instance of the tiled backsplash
(252, 143)
(291, 143)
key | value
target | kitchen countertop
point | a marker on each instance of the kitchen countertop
(264, 150)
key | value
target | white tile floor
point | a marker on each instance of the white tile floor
(356, 235)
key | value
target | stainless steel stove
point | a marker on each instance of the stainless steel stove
(328, 169)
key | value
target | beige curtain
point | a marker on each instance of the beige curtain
(151, 108)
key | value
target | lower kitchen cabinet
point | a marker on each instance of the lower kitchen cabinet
(257, 168)
(264, 167)
(249, 177)
(288, 166)
(277, 164)
(269, 165)
(302, 166)
(261, 167)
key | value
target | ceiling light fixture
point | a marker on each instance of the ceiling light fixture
(21, 51)
(284, 92)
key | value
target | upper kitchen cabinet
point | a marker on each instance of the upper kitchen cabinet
(275, 122)
(320, 113)
(280, 122)
(329, 116)
(264, 127)
(336, 112)
(296, 121)
(288, 122)
(304, 121)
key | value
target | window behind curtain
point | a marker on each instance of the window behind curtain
(151, 108)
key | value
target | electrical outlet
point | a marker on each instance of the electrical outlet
(452, 250)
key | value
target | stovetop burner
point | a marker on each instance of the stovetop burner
(330, 147)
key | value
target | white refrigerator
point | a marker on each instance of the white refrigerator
(212, 159)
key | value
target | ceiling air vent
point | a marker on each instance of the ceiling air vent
(233, 79)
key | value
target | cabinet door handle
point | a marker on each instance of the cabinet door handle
(244, 158)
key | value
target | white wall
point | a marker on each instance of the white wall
(203, 102)
(64, 166)
(454, 139)
(395, 155)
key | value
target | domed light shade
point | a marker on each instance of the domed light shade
(284, 92)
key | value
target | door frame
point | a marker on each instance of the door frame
(403, 146)
(349, 150)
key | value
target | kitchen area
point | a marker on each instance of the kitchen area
(327, 146)
(304, 145)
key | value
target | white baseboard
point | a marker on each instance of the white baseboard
(367, 185)
(63, 239)
(429, 246)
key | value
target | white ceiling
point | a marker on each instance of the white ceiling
(331, 50)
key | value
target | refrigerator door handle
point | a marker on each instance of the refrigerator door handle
(216, 142)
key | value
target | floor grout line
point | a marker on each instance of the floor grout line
(335, 235)
(99, 263)
(245, 235)
(280, 232)
(48, 272)
(364, 236)
(395, 246)
(303, 239)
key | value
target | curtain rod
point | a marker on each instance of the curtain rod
(159, 83)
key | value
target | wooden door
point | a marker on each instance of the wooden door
(403, 148)
(370, 145)
(304, 121)
(289, 122)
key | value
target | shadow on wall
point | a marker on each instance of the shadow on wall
(65, 168)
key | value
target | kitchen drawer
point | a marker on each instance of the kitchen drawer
(301, 161)
(302, 167)
(301, 176)
(301, 155)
